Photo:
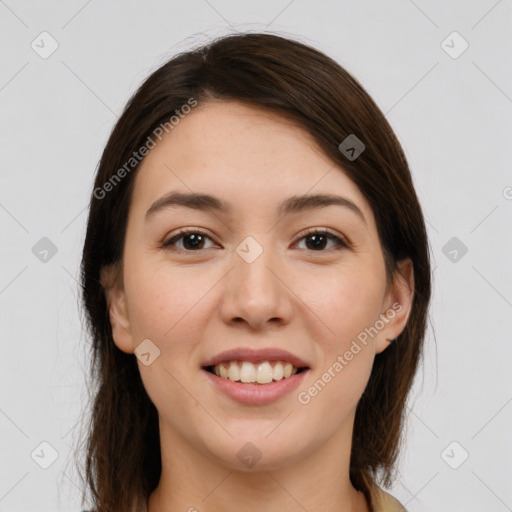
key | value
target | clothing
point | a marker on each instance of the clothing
(384, 502)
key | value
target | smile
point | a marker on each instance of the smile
(254, 393)
(264, 372)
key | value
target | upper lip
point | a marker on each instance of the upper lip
(256, 356)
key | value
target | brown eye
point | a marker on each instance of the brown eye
(194, 241)
(317, 240)
(191, 241)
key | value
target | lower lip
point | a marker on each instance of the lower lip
(256, 394)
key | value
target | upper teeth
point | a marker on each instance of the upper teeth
(262, 373)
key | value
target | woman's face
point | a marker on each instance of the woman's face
(254, 280)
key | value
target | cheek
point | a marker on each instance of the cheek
(347, 300)
(169, 307)
(167, 304)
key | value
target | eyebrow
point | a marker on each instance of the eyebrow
(294, 204)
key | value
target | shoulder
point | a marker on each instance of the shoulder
(384, 502)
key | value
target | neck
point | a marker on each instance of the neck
(191, 481)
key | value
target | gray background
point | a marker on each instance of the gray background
(452, 116)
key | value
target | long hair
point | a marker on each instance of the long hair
(291, 78)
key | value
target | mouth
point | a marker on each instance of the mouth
(255, 376)
(247, 372)
(239, 381)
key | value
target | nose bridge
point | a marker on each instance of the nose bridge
(253, 262)
(254, 291)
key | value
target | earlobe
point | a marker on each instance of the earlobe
(398, 305)
(118, 310)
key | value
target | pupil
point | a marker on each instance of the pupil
(316, 244)
(196, 240)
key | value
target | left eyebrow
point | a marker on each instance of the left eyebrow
(294, 204)
(314, 201)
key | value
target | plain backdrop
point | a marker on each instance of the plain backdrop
(440, 71)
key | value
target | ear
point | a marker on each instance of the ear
(397, 305)
(111, 280)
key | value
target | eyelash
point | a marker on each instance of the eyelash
(342, 243)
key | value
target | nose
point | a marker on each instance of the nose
(256, 293)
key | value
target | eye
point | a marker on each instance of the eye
(320, 237)
(192, 240)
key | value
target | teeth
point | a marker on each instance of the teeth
(278, 372)
(223, 372)
(233, 372)
(247, 372)
(262, 373)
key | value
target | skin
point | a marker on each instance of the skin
(193, 305)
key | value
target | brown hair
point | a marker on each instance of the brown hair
(291, 78)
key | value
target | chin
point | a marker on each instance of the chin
(254, 453)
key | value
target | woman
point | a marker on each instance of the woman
(256, 280)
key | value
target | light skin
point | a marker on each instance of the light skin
(193, 303)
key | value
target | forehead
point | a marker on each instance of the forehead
(236, 151)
